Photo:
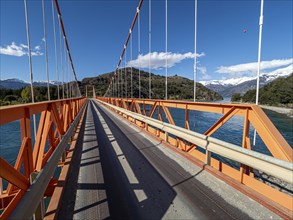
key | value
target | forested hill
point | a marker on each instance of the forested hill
(278, 93)
(178, 87)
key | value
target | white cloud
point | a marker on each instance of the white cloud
(158, 60)
(251, 68)
(203, 70)
(24, 46)
(282, 71)
(36, 53)
(12, 50)
(19, 50)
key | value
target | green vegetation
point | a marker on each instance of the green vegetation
(179, 88)
(19, 96)
(236, 97)
(10, 96)
(277, 93)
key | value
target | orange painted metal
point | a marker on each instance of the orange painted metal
(56, 117)
(56, 199)
(272, 138)
(252, 114)
(12, 175)
(93, 90)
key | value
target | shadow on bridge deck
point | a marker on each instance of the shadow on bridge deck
(119, 173)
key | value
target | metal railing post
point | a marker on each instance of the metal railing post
(40, 211)
(166, 136)
(208, 157)
(1, 186)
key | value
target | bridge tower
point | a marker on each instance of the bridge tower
(93, 90)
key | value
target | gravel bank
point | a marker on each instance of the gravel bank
(282, 110)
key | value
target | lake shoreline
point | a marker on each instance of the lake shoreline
(282, 110)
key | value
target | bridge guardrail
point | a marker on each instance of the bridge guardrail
(276, 167)
(56, 117)
(37, 189)
(248, 159)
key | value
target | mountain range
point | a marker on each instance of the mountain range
(241, 85)
(279, 92)
(179, 87)
(183, 86)
(18, 84)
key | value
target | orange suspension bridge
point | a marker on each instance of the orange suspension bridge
(125, 157)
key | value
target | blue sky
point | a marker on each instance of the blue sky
(97, 30)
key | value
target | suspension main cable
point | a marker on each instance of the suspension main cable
(195, 35)
(56, 55)
(67, 45)
(61, 59)
(65, 69)
(46, 50)
(122, 84)
(150, 41)
(65, 72)
(30, 63)
(138, 41)
(131, 69)
(166, 58)
(116, 85)
(118, 72)
(112, 91)
(127, 40)
(258, 60)
(68, 77)
(125, 70)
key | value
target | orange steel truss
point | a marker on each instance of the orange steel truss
(252, 114)
(55, 118)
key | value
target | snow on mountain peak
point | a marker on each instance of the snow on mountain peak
(236, 81)
(225, 82)
(14, 80)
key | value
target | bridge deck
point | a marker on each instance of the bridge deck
(121, 173)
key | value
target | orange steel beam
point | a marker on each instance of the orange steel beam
(137, 106)
(58, 122)
(220, 122)
(277, 145)
(168, 114)
(12, 204)
(153, 109)
(245, 136)
(26, 135)
(8, 173)
(187, 118)
(44, 137)
(16, 112)
(56, 117)
(56, 199)
(20, 158)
